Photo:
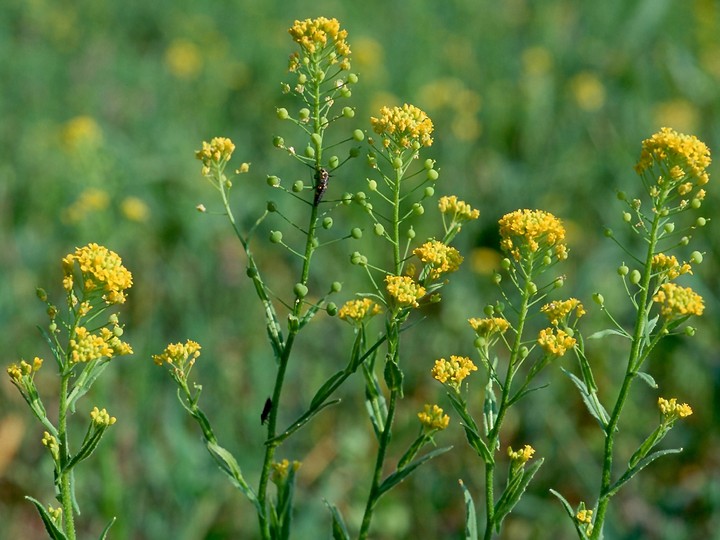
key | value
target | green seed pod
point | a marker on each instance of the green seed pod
(524, 351)
(499, 308)
(598, 299)
(358, 135)
(432, 175)
(41, 294)
(118, 331)
(623, 270)
(570, 332)
(397, 163)
(479, 342)
(331, 309)
(418, 209)
(298, 186)
(368, 206)
(608, 233)
(352, 78)
(664, 212)
(532, 288)
(700, 222)
(496, 278)
(489, 310)
(271, 206)
(348, 112)
(429, 164)
(627, 217)
(319, 75)
(52, 327)
(621, 196)
(355, 257)
(559, 283)
(300, 290)
(356, 233)
(316, 139)
(547, 260)
(379, 229)
(635, 277)
(429, 192)
(275, 237)
(282, 113)
(251, 272)
(360, 197)
(333, 162)
(411, 233)
(346, 93)
(315, 242)
(327, 222)
(689, 331)
(336, 286)
(695, 204)
(113, 319)
(347, 198)
(505, 264)
(309, 151)
(302, 78)
(685, 240)
(363, 260)
(696, 257)
(669, 228)
(304, 114)
(278, 142)
(372, 185)
(415, 145)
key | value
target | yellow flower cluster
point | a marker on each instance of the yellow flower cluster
(685, 155)
(672, 410)
(50, 442)
(669, 266)
(281, 469)
(313, 35)
(459, 211)
(453, 371)
(403, 126)
(357, 310)
(101, 418)
(525, 232)
(523, 455)
(441, 258)
(404, 290)
(101, 269)
(179, 355)
(558, 310)
(676, 301)
(17, 371)
(119, 347)
(86, 347)
(555, 341)
(487, 327)
(215, 153)
(432, 418)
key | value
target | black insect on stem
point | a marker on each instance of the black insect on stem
(266, 411)
(321, 183)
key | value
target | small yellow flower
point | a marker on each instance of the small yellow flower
(487, 327)
(179, 355)
(453, 372)
(101, 269)
(522, 456)
(55, 513)
(458, 211)
(671, 410)
(281, 469)
(404, 290)
(119, 347)
(685, 156)
(215, 154)
(101, 418)
(400, 127)
(52, 444)
(314, 35)
(440, 257)
(669, 266)
(355, 311)
(558, 311)
(86, 347)
(432, 418)
(555, 341)
(676, 301)
(525, 232)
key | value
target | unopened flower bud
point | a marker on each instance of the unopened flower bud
(608, 233)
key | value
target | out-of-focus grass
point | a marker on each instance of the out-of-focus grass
(537, 104)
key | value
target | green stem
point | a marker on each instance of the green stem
(489, 498)
(630, 374)
(66, 496)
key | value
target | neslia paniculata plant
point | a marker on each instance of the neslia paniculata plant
(83, 337)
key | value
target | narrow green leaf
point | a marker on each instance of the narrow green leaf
(398, 476)
(471, 527)
(489, 407)
(86, 379)
(571, 513)
(592, 403)
(513, 492)
(470, 427)
(648, 379)
(103, 535)
(609, 332)
(393, 376)
(85, 451)
(53, 531)
(230, 467)
(328, 388)
(300, 422)
(640, 466)
(339, 529)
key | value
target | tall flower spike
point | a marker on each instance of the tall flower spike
(526, 232)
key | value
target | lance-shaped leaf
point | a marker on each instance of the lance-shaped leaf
(517, 483)
(86, 379)
(610, 332)
(648, 444)
(591, 401)
(471, 431)
(489, 407)
(103, 535)
(230, 467)
(393, 376)
(53, 531)
(300, 422)
(632, 471)
(648, 379)
(471, 527)
(571, 513)
(339, 529)
(374, 401)
(399, 475)
(92, 439)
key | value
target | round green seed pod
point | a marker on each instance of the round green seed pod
(379, 229)
(271, 206)
(559, 283)
(489, 310)
(282, 113)
(315, 242)
(300, 290)
(316, 139)
(700, 222)
(623, 270)
(598, 299)
(251, 272)
(273, 181)
(429, 192)
(336, 286)
(635, 277)
(695, 204)
(118, 331)
(496, 278)
(397, 163)
(348, 112)
(411, 233)
(372, 185)
(360, 197)
(418, 209)
(358, 135)
(627, 217)
(278, 142)
(327, 222)
(304, 113)
(669, 228)
(352, 78)
(432, 175)
(621, 196)
(356, 233)
(355, 257)
(347, 198)
(506, 264)
(689, 331)
(696, 257)
(333, 162)
(429, 164)
(309, 151)
(331, 309)
(298, 186)
(275, 237)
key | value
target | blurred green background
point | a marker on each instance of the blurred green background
(535, 104)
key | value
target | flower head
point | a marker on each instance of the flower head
(555, 341)
(215, 154)
(671, 410)
(101, 270)
(676, 301)
(454, 371)
(684, 156)
(282, 468)
(525, 232)
(458, 211)
(357, 311)
(521, 456)
(402, 127)
(487, 327)
(404, 290)
(558, 311)
(179, 355)
(119, 347)
(23, 369)
(439, 257)
(101, 418)
(669, 267)
(432, 418)
(314, 35)
(86, 346)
